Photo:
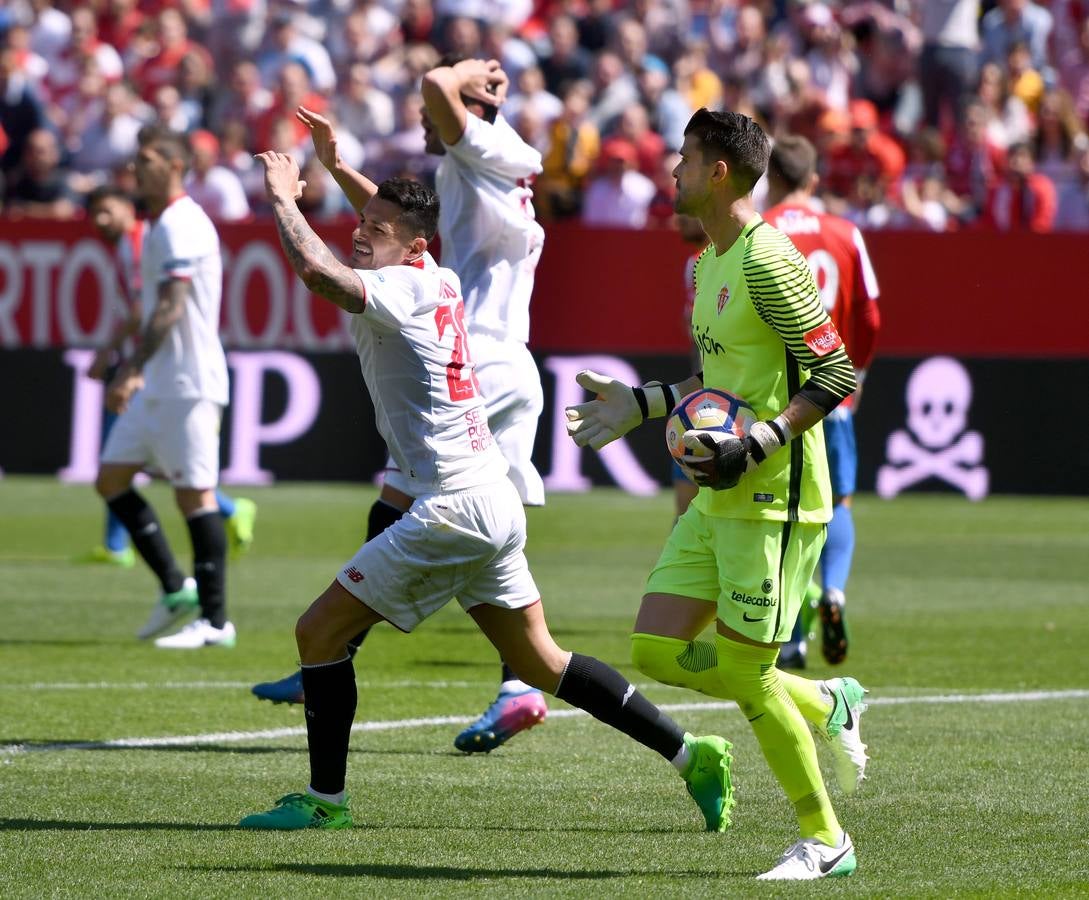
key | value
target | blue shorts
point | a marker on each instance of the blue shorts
(839, 439)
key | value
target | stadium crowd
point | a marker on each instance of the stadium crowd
(928, 114)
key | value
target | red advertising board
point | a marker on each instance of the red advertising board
(1014, 296)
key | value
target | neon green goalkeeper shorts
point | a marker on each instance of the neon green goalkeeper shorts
(756, 570)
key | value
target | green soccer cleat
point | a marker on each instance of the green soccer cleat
(170, 609)
(298, 811)
(708, 779)
(123, 559)
(240, 526)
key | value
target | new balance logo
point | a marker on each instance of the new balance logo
(353, 573)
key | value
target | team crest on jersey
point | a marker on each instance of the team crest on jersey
(723, 298)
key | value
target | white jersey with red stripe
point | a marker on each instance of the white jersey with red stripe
(487, 227)
(182, 244)
(414, 352)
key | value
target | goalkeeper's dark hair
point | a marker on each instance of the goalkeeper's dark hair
(448, 61)
(793, 162)
(734, 138)
(170, 143)
(107, 192)
(419, 206)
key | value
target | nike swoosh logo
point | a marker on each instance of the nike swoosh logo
(828, 865)
(745, 616)
(850, 723)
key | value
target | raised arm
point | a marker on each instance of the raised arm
(313, 262)
(444, 87)
(357, 187)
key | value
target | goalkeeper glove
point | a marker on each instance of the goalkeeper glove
(731, 456)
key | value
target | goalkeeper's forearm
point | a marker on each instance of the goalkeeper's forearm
(657, 400)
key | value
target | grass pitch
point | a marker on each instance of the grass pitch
(969, 625)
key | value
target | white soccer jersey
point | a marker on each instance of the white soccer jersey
(182, 244)
(414, 352)
(487, 227)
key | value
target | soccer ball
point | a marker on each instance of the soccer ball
(708, 410)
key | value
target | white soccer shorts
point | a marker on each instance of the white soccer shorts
(469, 544)
(511, 387)
(177, 437)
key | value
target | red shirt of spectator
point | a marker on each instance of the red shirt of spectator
(174, 43)
(293, 92)
(1025, 200)
(974, 164)
(868, 152)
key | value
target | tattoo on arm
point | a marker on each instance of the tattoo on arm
(172, 298)
(314, 263)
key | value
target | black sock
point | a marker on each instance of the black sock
(330, 707)
(606, 695)
(209, 538)
(508, 673)
(381, 516)
(147, 536)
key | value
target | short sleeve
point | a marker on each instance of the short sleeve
(186, 241)
(495, 148)
(392, 295)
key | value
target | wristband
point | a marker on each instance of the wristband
(641, 399)
(655, 405)
(768, 437)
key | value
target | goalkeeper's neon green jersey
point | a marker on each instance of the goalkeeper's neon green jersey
(762, 333)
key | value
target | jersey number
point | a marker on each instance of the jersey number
(460, 388)
(823, 266)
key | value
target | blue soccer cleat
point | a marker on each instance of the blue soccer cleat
(512, 711)
(286, 690)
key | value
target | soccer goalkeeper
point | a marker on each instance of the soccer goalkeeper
(744, 552)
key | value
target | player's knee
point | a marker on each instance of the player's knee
(656, 657)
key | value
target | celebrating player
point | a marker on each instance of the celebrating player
(113, 216)
(491, 239)
(169, 395)
(464, 534)
(837, 256)
(743, 553)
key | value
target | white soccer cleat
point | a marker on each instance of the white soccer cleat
(842, 732)
(809, 859)
(197, 634)
(170, 608)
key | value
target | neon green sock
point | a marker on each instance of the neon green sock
(812, 702)
(749, 674)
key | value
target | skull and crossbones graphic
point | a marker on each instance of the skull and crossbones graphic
(937, 444)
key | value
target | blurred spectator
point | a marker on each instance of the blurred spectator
(321, 198)
(286, 44)
(366, 33)
(745, 55)
(362, 109)
(118, 22)
(614, 89)
(215, 188)
(1008, 119)
(293, 91)
(669, 111)
(1075, 72)
(168, 111)
(236, 32)
(21, 112)
(949, 61)
(634, 127)
(618, 196)
(109, 139)
(69, 65)
(1059, 148)
(172, 44)
(51, 29)
(595, 25)
(32, 65)
(513, 53)
(531, 91)
(39, 189)
(195, 88)
(696, 81)
(531, 126)
(573, 147)
(1016, 21)
(417, 21)
(244, 99)
(1024, 199)
(975, 161)
(869, 152)
(1026, 84)
(832, 66)
(461, 36)
(565, 61)
(403, 152)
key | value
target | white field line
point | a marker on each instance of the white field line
(228, 737)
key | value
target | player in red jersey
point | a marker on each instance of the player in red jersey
(837, 255)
